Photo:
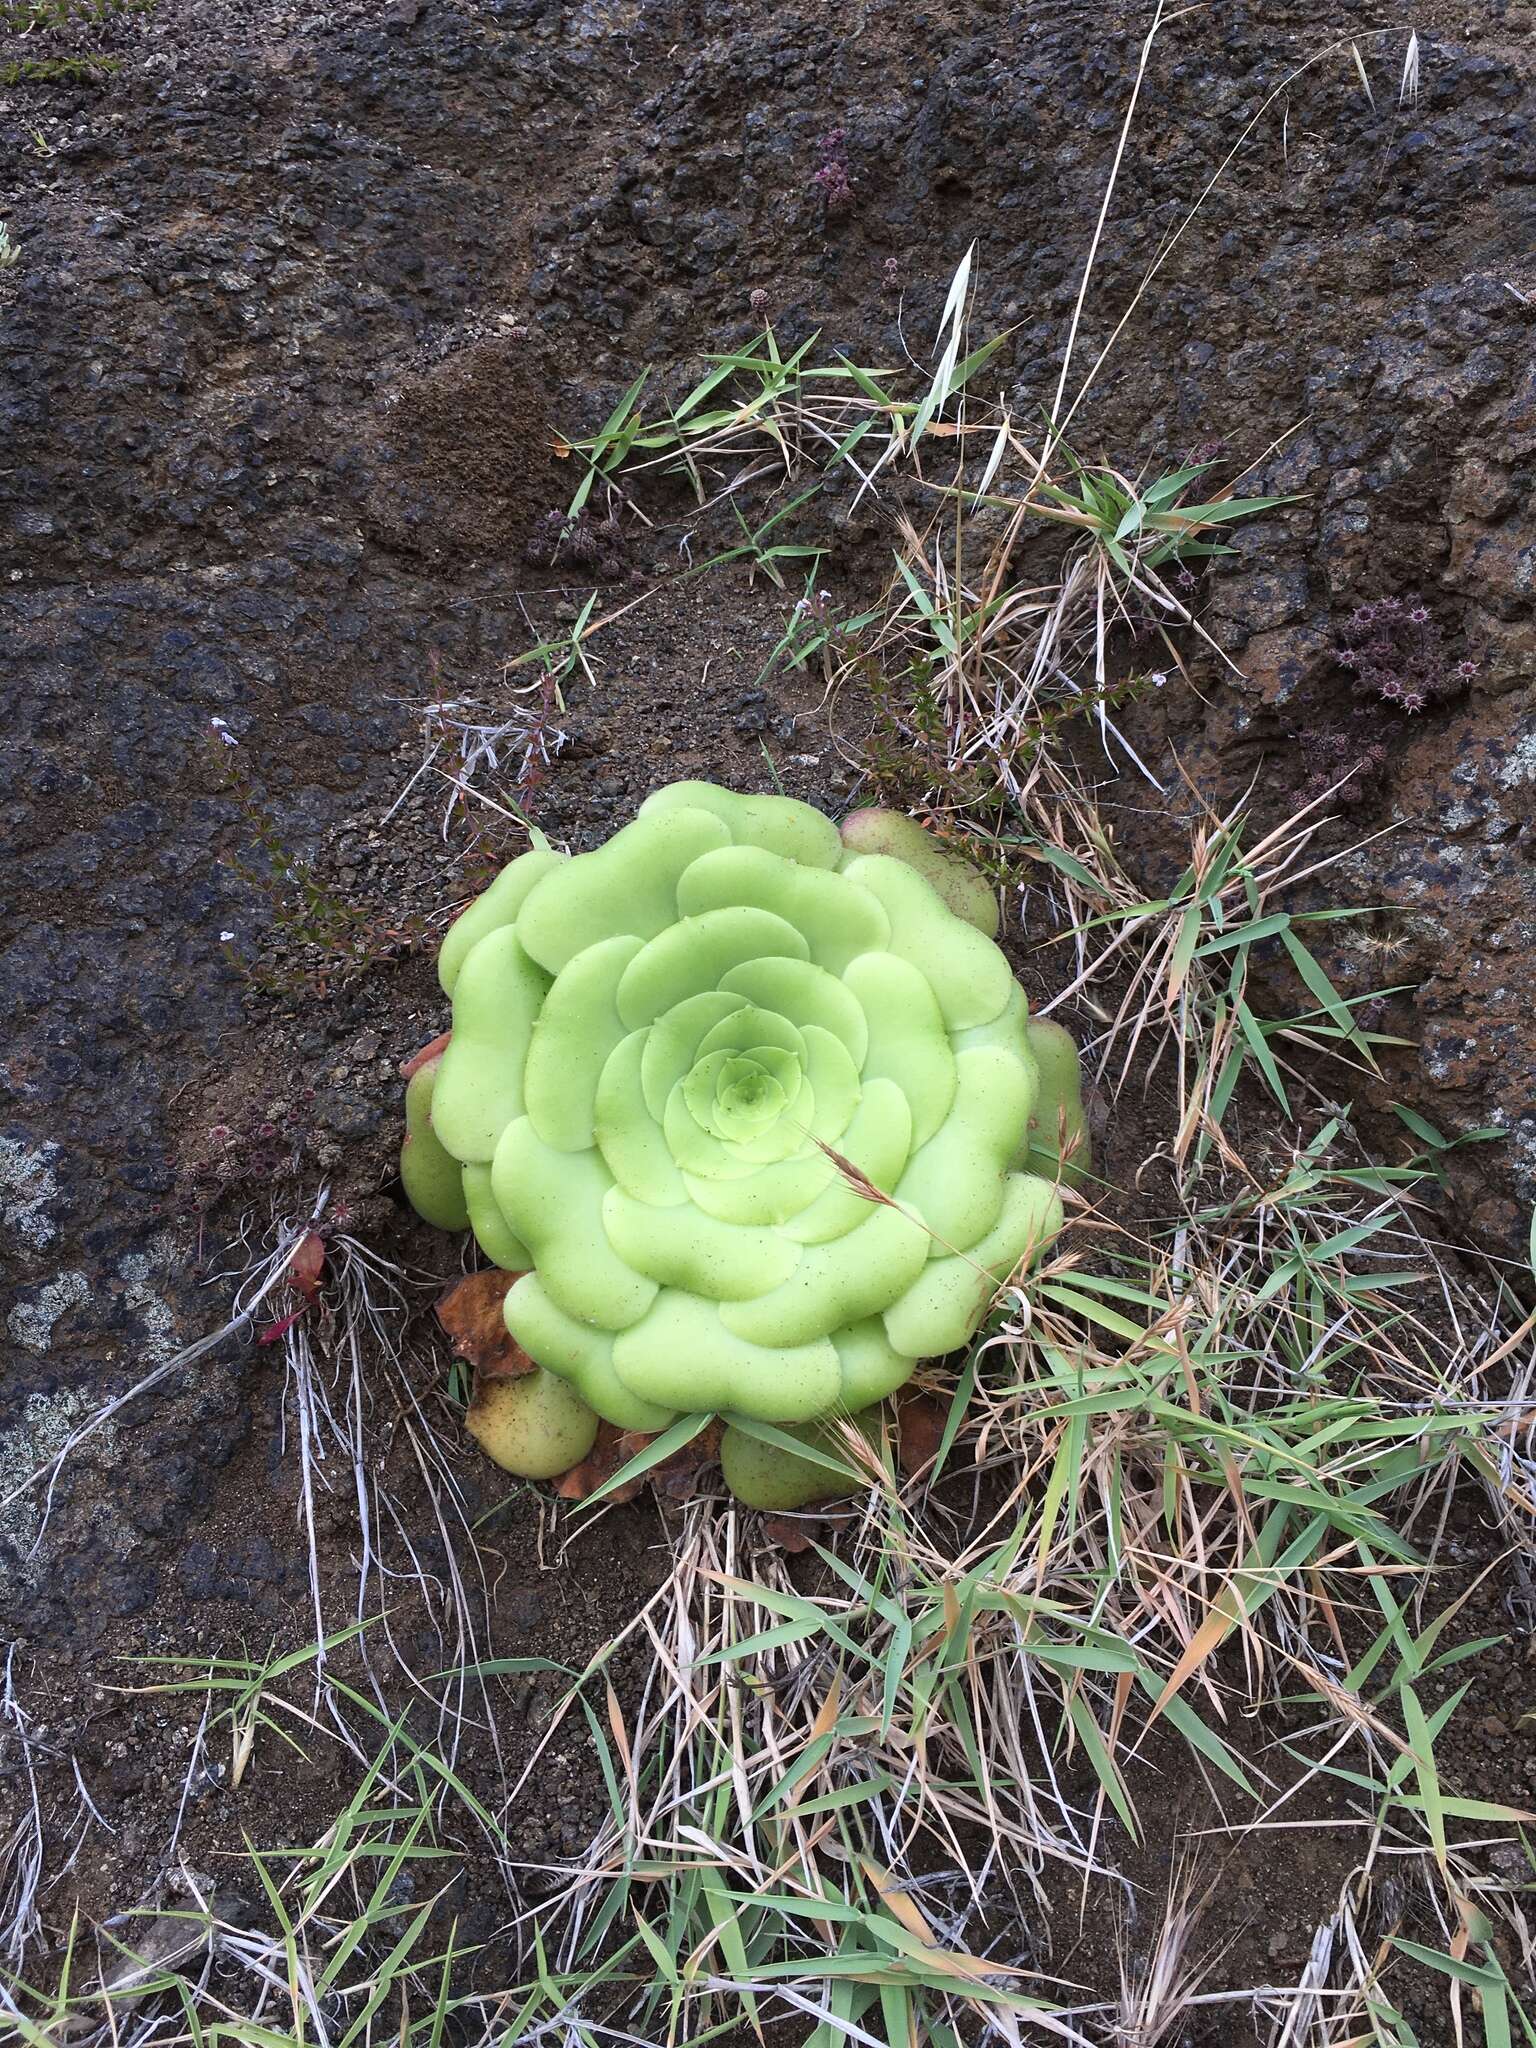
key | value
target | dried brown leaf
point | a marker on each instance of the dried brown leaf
(471, 1315)
(920, 1424)
(306, 1268)
(789, 1533)
(307, 1264)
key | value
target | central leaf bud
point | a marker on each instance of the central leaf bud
(747, 1098)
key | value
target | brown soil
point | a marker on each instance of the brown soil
(471, 454)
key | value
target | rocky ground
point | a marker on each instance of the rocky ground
(304, 302)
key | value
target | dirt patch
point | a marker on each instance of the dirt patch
(469, 458)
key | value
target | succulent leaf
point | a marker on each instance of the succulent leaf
(764, 1476)
(536, 1426)
(433, 1178)
(1059, 1144)
(961, 885)
(497, 906)
(493, 1233)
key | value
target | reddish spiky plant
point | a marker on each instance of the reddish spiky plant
(1395, 651)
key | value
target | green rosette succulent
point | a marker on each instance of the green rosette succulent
(747, 1105)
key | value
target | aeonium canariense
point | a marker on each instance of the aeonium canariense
(757, 1110)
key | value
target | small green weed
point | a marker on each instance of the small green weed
(52, 18)
(58, 70)
(1146, 525)
(28, 17)
(1194, 951)
(994, 657)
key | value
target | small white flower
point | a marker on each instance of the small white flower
(224, 732)
(226, 937)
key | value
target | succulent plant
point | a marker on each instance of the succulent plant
(749, 1104)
